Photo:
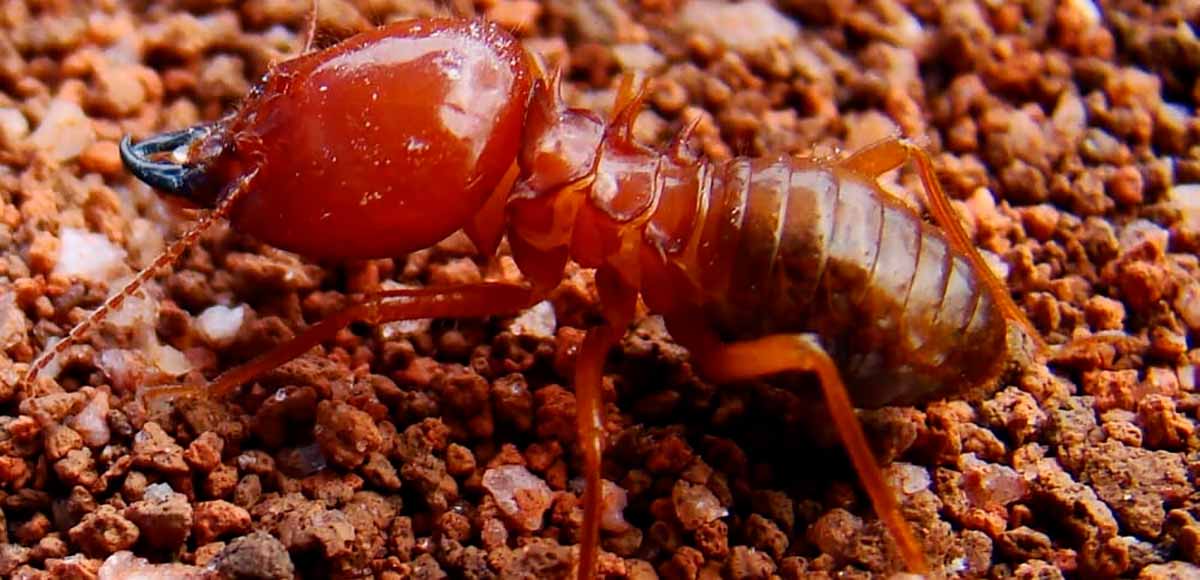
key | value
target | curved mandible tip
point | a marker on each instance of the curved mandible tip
(173, 178)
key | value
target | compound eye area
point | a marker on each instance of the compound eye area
(561, 151)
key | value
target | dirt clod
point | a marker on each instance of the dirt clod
(257, 556)
(521, 496)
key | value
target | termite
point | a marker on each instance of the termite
(395, 138)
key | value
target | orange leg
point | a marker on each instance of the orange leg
(891, 153)
(464, 301)
(620, 306)
(778, 353)
(589, 405)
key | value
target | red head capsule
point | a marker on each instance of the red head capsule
(378, 146)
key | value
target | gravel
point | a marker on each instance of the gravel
(1066, 135)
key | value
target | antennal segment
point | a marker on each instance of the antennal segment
(115, 301)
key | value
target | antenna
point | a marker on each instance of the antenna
(172, 253)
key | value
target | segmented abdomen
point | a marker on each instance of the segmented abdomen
(788, 246)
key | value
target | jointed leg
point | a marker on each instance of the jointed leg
(620, 304)
(793, 352)
(889, 154)
(589, 404)
(465, 301)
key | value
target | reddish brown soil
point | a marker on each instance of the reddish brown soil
(437, 449)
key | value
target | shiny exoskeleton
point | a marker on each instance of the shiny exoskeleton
(396, 138)
(755, 247)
